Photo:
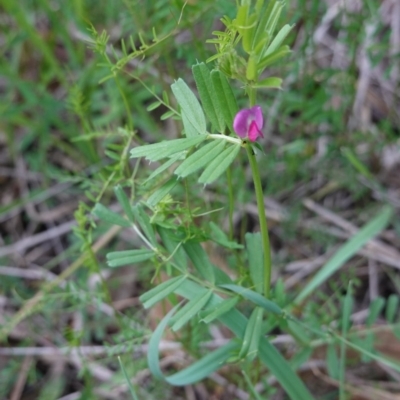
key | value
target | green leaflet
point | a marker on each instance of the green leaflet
(119, 258)
(273, 57)
(347, 251)
(219, 236)
(156, 294)
(124, 201)
(200, 158)
(144, 222)
(236, 322)
(173, 244)
(157, 151)
(256, 298)
(278, 40)
(225, 98)
(164, 166)
(261, 35)
(271, 82)
(217, 310)
(193, 118)
(190, 130)
(208, 96)
(160, 193)
(109, 216)
(273, 17)
(200, 260)
(219, 164)
(190, 310)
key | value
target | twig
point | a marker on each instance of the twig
(34, 240)
(373, 279)
(19, 385)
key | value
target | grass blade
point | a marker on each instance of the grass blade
(128, 381)
(347, 251)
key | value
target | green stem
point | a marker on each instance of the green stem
(263, 219)
(231, 202)
(252, 96)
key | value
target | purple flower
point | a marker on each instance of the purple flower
(248, 123)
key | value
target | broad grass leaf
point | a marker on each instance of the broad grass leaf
(392, 308)
(208, 95)
(161, 291)
(348, 250)
(194, 373)
(347, 309)
(220, 164)
(190, 107)
(375, 309)
(200, 158)
(256, 262)
(252, 335)
(332, 361)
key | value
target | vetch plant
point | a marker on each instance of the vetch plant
(174, 242)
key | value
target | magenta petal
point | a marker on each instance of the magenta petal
(256, 112)
(241, 122)
(249, 122)
(254, 132)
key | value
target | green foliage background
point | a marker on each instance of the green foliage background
(76, 99)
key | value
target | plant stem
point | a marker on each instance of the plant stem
(262, 217)
(252, 93)
(231, 202)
